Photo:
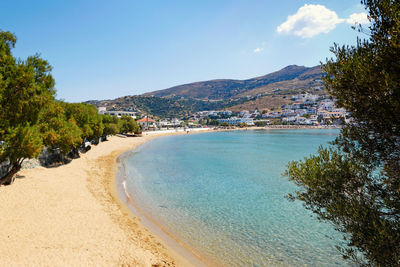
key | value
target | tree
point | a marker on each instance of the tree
(57, 131)
(260, 123)
(111, 125)
(276, 121)
(87, 119)
(26, 86)
(355, 183)
(214, 122)
(128, 125)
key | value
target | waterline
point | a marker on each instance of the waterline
(156, 228)
(222, 194)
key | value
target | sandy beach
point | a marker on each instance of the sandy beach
(72, 216)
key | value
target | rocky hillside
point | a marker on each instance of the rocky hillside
(229, 89)
(264, 93)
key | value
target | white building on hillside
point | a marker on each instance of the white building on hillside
(118, 113)
(236, 121)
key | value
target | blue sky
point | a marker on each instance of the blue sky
(106, 49)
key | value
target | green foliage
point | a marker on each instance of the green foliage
(110, 119)
(173, 107)
(260, 123)
(111, 129)
(57, 131)
(356, 184)
(26, 86)
(31, 118)
(87, 119)
(19, 143)
(128, 125)
(276, 121)
(111, 125)
(213, 122)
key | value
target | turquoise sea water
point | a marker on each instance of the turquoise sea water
(223, 195)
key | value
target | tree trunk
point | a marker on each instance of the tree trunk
(9, 177)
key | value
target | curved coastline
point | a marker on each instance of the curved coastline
(170, 240)
(181, 253)
(183, 250)
(151, 223)
(73, 215)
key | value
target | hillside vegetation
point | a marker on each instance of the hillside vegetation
(263, 93)
(226, 89)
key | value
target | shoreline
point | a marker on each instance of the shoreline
(156, 228)
(180, 258)
(194, 257)
(177, 247)
(72, 215)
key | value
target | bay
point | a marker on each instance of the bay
(223, 195)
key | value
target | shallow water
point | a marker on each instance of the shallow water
(223, 195)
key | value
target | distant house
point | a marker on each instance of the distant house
(272, 114)
(288, 119)
(303, 121)
(305, 98)
(226, 112)
(247, 121)
(163, 123)
(338, 113)
(102, 109)
(118, 113)
(146, 122)
(288, 112)
(193, 123)
(244, 113)
(236, 121)
(176, 122)
(231, 121)
(311, 110)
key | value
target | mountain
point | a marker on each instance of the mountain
(226, 89)
(266, 92)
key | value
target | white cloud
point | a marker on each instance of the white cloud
(358, 18)
(258, 50)
(311, 20)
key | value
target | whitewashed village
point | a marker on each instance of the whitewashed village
(307, 109)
